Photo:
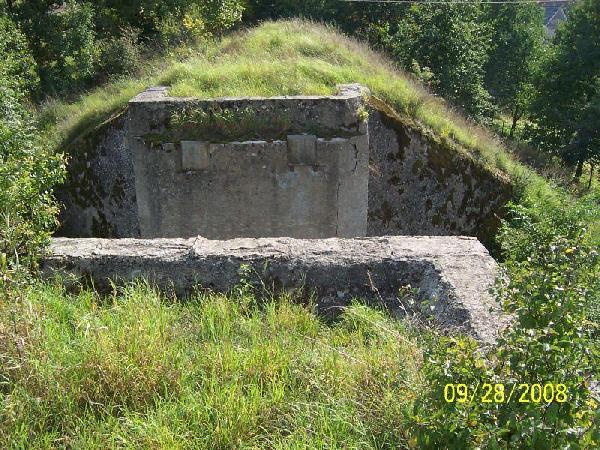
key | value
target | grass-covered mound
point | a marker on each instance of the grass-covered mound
(277, 58)
(293, 58)
(138, 370)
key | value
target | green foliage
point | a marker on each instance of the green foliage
(517, 45)
(186, 21)
(79, 42)
(172, 18)
(27, 170)
(119, 55)
(537, 221)
(63, 42)
(452, 41)
(550, 341)
(372, 21)
(566, 107)
(138, 370)
(18, 68)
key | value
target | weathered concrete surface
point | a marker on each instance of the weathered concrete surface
(453, 273)
(98, 197)
(418, 186)
(226, 168)
(283, 166)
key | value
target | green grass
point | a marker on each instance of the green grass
(279, 58)
(298, 57)
(138, 370)
(290, 58)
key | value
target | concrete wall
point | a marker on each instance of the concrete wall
(452, 274)
(285, 166)
(307, 177)
(99, 196)
(418, 186)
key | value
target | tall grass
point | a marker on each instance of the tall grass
(142, 371)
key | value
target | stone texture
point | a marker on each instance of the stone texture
(99, 196)
(302, 185)
(302, 150)
(250, 188)
(417, 186)
(453, 273)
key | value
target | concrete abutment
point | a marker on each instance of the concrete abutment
(249, 174)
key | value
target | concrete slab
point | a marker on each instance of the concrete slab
(453, 275)
(194, 155)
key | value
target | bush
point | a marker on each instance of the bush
(18, 67)
(119, 55)
(551, 341)
(195, 20)
(27, 173)
(67, 52)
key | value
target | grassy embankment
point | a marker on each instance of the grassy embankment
(294, 58)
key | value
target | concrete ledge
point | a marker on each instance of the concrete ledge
(453, 274)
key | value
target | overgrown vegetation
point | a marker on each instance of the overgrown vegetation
(28, 168)
(78, 43)
(282, 58)
(218, 123)
(141, 371)
(137, 369)
(552, 342)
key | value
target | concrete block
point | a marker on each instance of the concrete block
(452, 274)
(194, 155)
(302, 149)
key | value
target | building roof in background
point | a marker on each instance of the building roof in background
(554, 14)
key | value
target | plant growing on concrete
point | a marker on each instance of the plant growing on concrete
(223, 124)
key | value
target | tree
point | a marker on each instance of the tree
(566, 107)
(372, 21)
(516, 48)
(451, 41)
(62, 39)
(18, 66)
(28, 170)
(75, 42)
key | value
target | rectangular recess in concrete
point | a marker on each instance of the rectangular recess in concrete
(454, 274)
(194, 155)
(302, 149)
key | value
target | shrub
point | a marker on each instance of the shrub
(191, 21)
(119, 55)
(67, 52)
(27, 173)
(551, 341)
(18, 67)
